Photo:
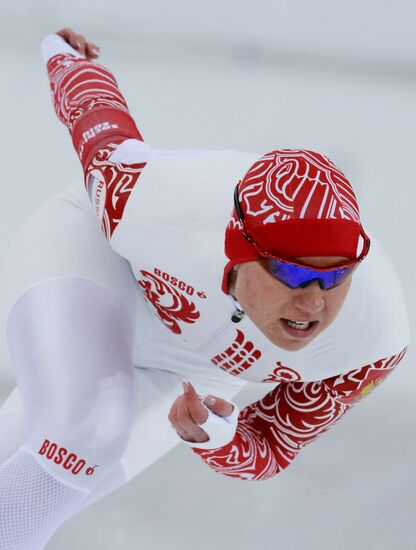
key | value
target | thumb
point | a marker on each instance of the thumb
(218, 406)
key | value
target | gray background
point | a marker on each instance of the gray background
(338, 77)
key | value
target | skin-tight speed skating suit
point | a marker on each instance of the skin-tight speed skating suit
(113, 295)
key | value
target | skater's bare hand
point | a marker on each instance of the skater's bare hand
(187, 413)
(79, 43)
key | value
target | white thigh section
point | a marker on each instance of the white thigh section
(71, 344)
(62, 238)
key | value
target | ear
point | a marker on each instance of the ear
(232, 279)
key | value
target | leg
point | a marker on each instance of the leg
(11, 434)
(71, 336)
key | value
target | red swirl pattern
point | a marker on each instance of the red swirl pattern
(272, 431)
(171, 305)
(295, 184)
(355, 385)
(282, 374)
(80, 86)
(119, 179)
(78, 82)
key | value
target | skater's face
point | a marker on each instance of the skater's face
(270, 304)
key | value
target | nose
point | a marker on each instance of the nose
(310, 299)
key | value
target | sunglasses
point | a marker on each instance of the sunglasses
(295, 275)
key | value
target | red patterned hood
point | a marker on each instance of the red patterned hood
(295, 203)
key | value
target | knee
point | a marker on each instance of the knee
(97, 433)
(71, 343)
(106, 425)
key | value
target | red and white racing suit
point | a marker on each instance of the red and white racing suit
(165, 213)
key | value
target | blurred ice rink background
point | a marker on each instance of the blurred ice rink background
(338, 77)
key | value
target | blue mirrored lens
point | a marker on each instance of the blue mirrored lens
(295, 276)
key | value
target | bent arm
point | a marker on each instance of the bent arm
(272, 431)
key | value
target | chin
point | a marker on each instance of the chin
(288, 344)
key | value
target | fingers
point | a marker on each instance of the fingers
(79, 43)
(198, 413)
(218, 406)
(71, 37)
(188, 413)
(185, 415)
(188, 424)
(173, 419)
(92, 51)
(180, 419)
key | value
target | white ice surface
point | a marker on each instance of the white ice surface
(355, 487)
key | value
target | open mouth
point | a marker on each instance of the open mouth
(299, 329)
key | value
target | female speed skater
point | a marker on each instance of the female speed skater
(140, 302)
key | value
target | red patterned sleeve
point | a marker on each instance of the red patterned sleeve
(272, 431)
(88, 101)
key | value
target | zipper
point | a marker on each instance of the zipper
(235, 317)
(239, 313)
(216, 335)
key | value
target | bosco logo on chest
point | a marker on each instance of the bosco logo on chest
(172, 297)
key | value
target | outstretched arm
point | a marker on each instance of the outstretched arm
(86, 95)
(88, 101)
